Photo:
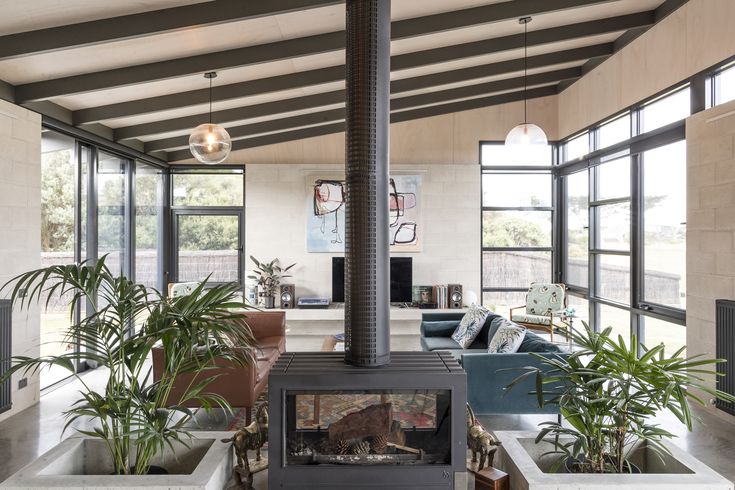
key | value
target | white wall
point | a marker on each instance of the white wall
(277, 201)
(20, 219)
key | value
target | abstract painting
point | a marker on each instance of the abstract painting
(326, 215)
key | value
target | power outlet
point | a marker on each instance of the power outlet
(22, 292)
(22, 383)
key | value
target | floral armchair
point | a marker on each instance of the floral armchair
(544, 302)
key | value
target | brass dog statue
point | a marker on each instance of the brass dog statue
(480, 441)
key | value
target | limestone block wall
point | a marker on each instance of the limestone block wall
(710, 221)
(278, 197)
(20, 240)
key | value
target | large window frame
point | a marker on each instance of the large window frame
(637, 305)
(177, 211)
(518, 169)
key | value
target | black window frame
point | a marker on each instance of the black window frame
(552, 208)
(186, 210)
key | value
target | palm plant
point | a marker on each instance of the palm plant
(133, 415)
(608, 394)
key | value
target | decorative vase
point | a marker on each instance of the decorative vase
(269, 302)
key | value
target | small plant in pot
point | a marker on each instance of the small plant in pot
(268, 276)
(123, 321)
(608, 393)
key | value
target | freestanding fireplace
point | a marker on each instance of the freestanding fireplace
(370, 418)
(401, 426)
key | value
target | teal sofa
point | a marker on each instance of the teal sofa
(486, 380)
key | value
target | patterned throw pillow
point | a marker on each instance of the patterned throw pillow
(470, 325)
(507, 339)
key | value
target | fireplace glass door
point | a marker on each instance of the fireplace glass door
(368, 427)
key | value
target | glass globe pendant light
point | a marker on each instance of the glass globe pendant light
(210, 143)
(525, 135)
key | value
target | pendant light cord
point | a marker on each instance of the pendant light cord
(525, 72)
(210, 101)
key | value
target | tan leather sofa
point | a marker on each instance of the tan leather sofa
(240, 386)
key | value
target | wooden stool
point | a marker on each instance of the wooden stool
(491, 479)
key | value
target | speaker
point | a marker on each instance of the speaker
(455, 296)
(288, 296)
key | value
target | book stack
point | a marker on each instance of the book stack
(441, 295)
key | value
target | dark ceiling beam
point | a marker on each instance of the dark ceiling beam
(338, 96)
(321, 43)
(7, 91)
(396, 117)
(336, 73)
(660, 13)
(146, 24)
(396, 104)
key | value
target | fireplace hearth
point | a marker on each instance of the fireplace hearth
(399, 426)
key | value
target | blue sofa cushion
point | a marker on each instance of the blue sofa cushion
(440, 328)
(534, 343)
(440, 343)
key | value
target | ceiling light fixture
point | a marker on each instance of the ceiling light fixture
(210, 143)
(525, 135)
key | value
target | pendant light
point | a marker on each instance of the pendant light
(210, 143)
(525, 135)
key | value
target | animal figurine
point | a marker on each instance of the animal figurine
(480, 441)
(251, 438)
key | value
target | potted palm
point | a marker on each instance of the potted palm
(268, 276)
(136, 429)
(609, 395)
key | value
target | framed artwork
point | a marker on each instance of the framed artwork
(326, 215)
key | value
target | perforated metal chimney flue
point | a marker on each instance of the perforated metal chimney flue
(367, 280)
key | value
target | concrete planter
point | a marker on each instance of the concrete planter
(83, 463)
(522, 459)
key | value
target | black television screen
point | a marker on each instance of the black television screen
(401, 279)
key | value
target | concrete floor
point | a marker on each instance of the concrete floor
(34, 431)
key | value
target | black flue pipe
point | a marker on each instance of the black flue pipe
(367, 256)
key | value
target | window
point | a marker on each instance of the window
(577, 267)
(664, 225)
(149, 225)
(615, 131)
(496, 154)
(625, 219)
(112, 200)
(516, 228)
(613, 276)
(501, 189)
(618, 319)
(724, 82)
(576, 147)
(613, 179)
(516, 225)
(665, 110)
(208, 188)
(58, 244)
(208, 225)
(208, 245)
(672, 335)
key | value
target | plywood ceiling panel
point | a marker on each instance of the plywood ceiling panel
(20, 16)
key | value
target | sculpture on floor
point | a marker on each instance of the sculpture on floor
(250, 438)
(480, 441)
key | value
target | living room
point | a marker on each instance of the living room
(211, 151)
